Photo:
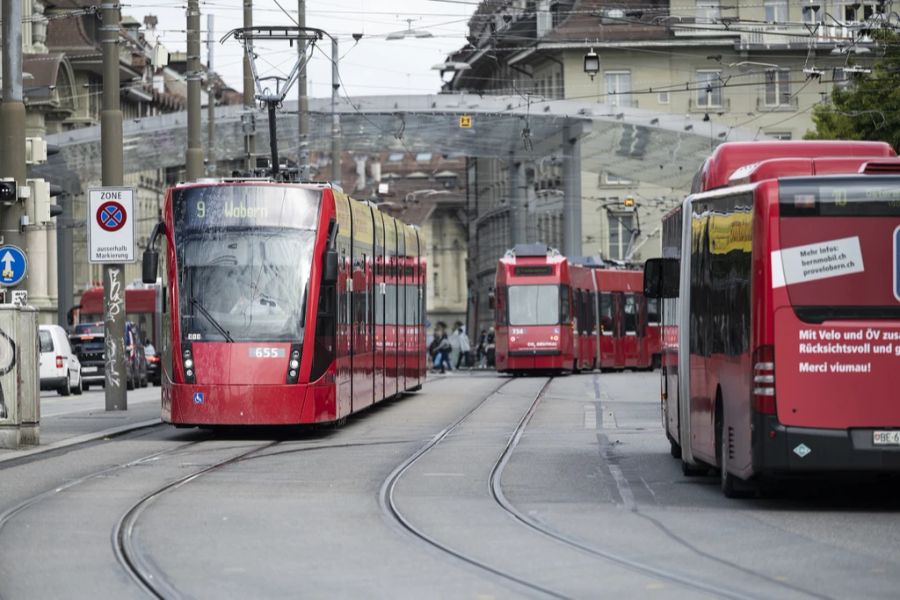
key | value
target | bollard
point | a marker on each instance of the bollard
(19, 377)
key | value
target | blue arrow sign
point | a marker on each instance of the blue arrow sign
(12, 265)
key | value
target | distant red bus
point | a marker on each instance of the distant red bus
(781, 300)
(625, 341)
(143, 306)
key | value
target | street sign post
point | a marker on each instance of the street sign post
(110, 225)
(13, 265)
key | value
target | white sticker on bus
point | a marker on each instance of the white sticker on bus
(821, 260)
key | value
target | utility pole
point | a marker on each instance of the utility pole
(12, 120)
(335, 119)
(249, 95)
(112, 157)
(210, 99)
(194, 155)
(302, 102)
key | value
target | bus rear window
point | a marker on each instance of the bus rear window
(840, 239)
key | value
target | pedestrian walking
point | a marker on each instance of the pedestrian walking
(489, 348)
(480, 351)
(443, 353)
(465, 347)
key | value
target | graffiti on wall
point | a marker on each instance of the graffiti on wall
(7, 363)
(113, 311)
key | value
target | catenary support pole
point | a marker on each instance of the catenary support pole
(64, 259)
(517, 202)
(12, 119)
(335, 119)
(194, 155)
(249, 93)
(112, 174)
(302, 103)
(210, 98)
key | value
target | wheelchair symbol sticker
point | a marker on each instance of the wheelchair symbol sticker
(198, 397)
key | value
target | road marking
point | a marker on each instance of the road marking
(622, 486)
(81, 439)
(590, 417)
(444, 475)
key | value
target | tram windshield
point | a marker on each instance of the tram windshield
(244, 255)
(534, 304)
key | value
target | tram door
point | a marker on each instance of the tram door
(619, 330)
(379, 291)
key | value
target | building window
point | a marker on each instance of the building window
(662, 97)
(812, 13)
(709, 88)
(423, 157)
(434, 286)
(779, 135)
(618, 88)
(778, 87)
(621, 224)
(708, 11)
(610, 179)
(776, 11)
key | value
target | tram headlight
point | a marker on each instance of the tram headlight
(188, 363)
(294, 364)
(189, 373)
(293, 373)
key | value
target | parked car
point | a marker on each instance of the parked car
(153, 366)
(89, 340)
(60, 368)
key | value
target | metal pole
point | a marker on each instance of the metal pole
(194, 155)
(249, 92)
(65, 267)
(302, 103)
(572, 199)
(210, 99)
(335, 119)
(112, 169)
(12, 119)
(518, 225)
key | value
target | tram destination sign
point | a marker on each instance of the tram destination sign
(111, 225)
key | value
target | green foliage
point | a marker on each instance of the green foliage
(869, 107)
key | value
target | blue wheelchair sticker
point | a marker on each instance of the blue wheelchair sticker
(198, 397)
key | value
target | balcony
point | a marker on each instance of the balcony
(703, 107)
(791, 104)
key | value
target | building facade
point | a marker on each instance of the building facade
(746, 64)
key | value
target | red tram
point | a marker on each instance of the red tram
(287, 304)
(143, 305)
(552, 314)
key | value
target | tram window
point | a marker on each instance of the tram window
(606, 312)
(630, 314)
(565, 304)
(653, 310)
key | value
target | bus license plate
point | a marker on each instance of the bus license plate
(89, 369)
(886, 438)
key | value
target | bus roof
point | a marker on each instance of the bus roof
(800, 167)
(730, 156)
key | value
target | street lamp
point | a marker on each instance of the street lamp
(409, 32)
(591, 63)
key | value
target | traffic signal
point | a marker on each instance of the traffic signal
(8, 191)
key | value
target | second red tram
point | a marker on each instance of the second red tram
(288, 304)
(553, 314)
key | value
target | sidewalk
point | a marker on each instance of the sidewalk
(67, 421)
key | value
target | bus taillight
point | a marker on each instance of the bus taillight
(764, 380)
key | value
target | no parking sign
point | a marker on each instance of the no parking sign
(111, 225)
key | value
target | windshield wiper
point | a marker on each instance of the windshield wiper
(209, 317)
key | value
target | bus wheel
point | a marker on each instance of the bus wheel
(689, 470)
(674, 447)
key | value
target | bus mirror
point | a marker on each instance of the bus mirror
(661, 278)
(491, 302)
(150, 266)
(330, 270)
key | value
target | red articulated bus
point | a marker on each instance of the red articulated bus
(288, 304)
(143, 306)
(781, 316)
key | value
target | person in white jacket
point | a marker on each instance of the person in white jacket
(465, 347)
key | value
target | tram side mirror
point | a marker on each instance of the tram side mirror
(330, 270)
(150, 266)
(661, 278)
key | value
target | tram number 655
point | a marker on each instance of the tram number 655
(265, 352)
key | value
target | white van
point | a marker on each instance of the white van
(60, 369)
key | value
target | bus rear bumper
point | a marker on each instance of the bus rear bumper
(788, 450)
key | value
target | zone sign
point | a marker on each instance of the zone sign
(111, 225)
